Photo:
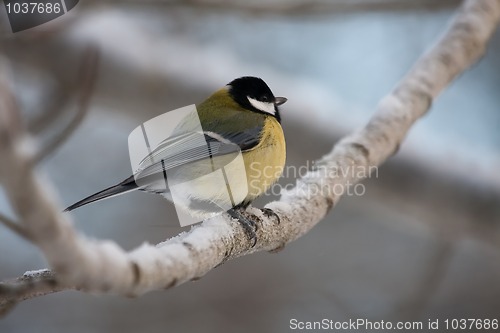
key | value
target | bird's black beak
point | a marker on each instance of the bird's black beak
(280, 100)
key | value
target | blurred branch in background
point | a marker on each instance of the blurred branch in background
(84, 87)
(103, 267)
(296, 7)
(14, 226)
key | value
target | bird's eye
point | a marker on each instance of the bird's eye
(264, 99)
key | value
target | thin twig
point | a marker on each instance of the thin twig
(87, 77)
(14, 227)
(53, 111)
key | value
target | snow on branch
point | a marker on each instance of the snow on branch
(101, 266)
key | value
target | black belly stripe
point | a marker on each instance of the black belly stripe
(164, 174)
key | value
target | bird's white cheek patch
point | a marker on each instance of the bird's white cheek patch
(262, 106)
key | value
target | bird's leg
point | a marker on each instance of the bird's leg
(248, 225)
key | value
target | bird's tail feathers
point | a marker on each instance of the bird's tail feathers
(125, 186)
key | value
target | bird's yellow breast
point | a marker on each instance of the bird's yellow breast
(264, 163)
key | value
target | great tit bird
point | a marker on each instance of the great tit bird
(241, 117)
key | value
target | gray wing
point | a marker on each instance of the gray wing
(175, 152)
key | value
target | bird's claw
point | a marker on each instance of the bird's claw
(270, 213)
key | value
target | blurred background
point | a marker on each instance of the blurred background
(423, 242)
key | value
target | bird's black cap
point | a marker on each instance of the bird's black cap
(253, 87)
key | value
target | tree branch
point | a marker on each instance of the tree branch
(101, 266)
(30, 284)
